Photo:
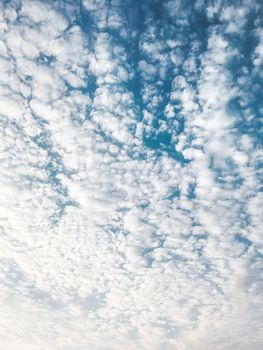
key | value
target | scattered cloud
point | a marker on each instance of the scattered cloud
(130, 175)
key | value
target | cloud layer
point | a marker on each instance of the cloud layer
(131, 199)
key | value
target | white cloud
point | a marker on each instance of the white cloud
(104, 240)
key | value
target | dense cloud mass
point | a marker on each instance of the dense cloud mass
(130, 199)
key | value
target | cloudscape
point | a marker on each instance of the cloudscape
(131, 173)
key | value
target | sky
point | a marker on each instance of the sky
(131, 175)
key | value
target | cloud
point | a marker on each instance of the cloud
(130, 176)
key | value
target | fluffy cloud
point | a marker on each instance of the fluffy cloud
(130, 175)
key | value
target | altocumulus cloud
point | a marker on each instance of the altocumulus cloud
(130, 178)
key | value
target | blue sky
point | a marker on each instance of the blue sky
(131, 175)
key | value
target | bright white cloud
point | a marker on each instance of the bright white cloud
(130, 204)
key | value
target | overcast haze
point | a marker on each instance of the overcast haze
(130, 175)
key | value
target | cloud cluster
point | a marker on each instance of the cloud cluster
(131, 206)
